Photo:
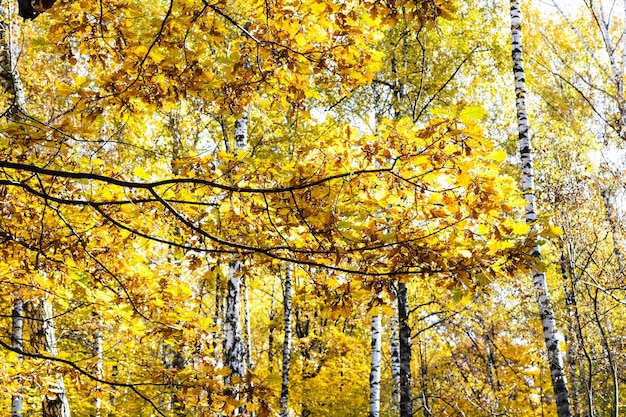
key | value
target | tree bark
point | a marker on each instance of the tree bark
(233, 342)
(247, 328)
(573, 354)
(394, 326)
(284, 389)
(406, 402)
(11, 84)
(17, 334)
(375, 366)
(586, 373)
(42, 339)
(234, 350)
(10, 81)
(270, 337)
(98, 352)
(597, 10)
(606, 344)
(550, 331)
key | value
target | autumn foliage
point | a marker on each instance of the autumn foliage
(375, 156)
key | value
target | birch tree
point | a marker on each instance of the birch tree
(550, 331)
(17, 343)
(234, 352)
(43, 340)
(376, 356)
(286, 362)
(12, 88)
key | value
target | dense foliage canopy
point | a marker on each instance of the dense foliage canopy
(155, 155)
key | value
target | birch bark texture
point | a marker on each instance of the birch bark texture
(17, 343)
(550, 330)
(376, 336)
(284, 389)
(11, 84)
(10, 81)
(234, 351)
(98, 352)
(43, 339)
(406, 400)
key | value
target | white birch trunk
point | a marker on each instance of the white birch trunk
(234, 350)
(233, 343)
(284, 389)
(375, 366)
(550, 331)
(10, 81)
(17, 334)
(43, 339)
(11, 84)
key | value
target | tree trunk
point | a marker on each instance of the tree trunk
(42, 339)
(586, 372)
(234, 350)
(394, 326)
(423, 361)
(603, 22)
(17, 334)
(270, 337)
(375, 367)
(99, 368)
(606, 344)
(550, 331)
(573, 344)
(406, 402)
(246, 323)
(284, 389)
(10, 81)
(218, 318)
(11, 84)
(233, 343)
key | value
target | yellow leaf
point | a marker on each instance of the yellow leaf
(225, 156)
(498, 155)
(141, 173)
(69, 261)
(140, 51)
(156, 56)
(482, 229)
(521, 228)
(553, 231)
(450, 149)
(472, 112)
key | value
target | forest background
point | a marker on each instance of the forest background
(312, 208)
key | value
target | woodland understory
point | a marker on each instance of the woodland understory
(312, 208)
